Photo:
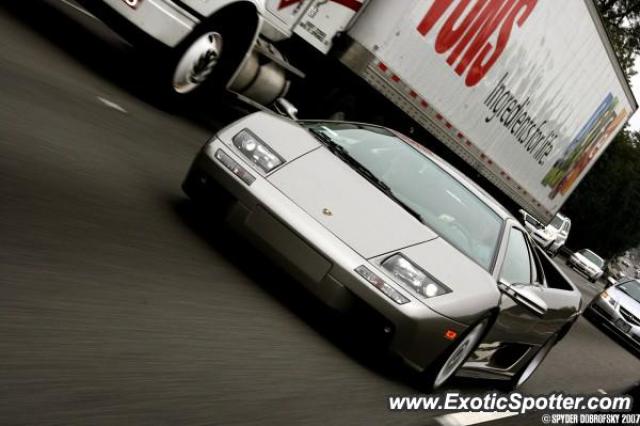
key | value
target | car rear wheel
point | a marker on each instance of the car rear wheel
(527, 371)
(447, 365)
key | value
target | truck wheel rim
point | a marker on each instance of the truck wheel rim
(197, 62)
(535, 363)
(459, 354)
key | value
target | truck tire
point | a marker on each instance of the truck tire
(196, 59)
(208, 57)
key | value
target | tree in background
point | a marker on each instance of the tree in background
(605, 208)
(622, 20)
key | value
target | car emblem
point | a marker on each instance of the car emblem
(327, 212)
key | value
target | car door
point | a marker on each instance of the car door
(516, 323)
(560, 302)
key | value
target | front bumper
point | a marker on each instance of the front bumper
(314, 256)
(612, 318)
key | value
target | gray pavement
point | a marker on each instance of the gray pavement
(119, 303)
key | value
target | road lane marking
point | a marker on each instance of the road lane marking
(111, 104)
(602, 391)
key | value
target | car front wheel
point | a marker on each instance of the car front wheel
(447, 365)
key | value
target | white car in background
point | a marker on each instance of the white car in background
(531, 224)
(553, 236)
(588, 263)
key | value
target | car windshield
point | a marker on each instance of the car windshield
(593, 258)
(631, 288)
(420, 185)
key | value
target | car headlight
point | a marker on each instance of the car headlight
(413, 277)
(605, 296)
(379, 283)
(257, 151)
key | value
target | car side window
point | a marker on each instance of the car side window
(516, 268)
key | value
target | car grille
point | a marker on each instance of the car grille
(629, 316)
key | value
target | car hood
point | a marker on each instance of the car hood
(348, 205)
(473, 289)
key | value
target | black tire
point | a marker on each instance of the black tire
(431, 378)
(235, 42)
(518, 380)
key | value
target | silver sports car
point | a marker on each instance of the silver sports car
(361, 214)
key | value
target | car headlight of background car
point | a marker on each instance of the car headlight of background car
(257, 151)
(413, 277)
(605, 296)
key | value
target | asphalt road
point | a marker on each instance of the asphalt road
(119, 303)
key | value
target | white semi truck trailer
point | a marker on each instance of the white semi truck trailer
(527, 92)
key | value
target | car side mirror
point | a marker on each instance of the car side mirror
(286, 108)
(524, 296)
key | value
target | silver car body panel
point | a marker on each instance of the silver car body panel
(282, 213)
(329, 191)
(290, 142)
(323, 263)
(471, 285)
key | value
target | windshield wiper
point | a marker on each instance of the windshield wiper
(341, 152)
